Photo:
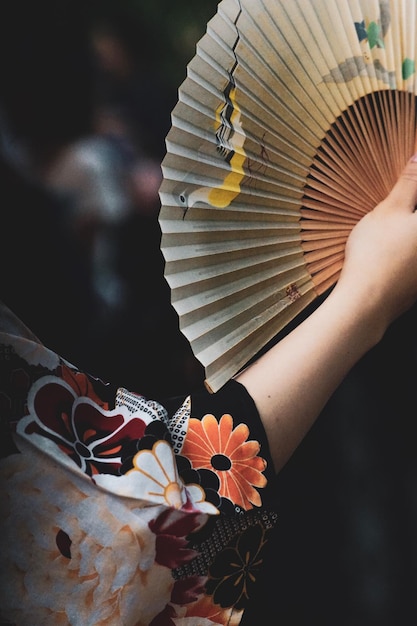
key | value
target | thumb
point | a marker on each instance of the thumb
(404, 193)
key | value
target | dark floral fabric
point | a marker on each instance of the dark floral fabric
(116, 509)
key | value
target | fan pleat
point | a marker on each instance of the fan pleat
(258, 328)
(236, 295)
(295, 119)
(235, 269)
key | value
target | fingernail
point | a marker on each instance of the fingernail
(414, 158)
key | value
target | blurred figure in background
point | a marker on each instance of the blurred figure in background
(45, 104)
(77, 114)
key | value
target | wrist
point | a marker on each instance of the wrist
(362, 316)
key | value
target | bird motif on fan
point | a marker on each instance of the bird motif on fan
(230, 139)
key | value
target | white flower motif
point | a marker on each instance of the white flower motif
(155, 479)
(197, 497)
(157, 472)
(72, 553)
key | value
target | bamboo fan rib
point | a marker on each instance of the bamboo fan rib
(294, 120)
(355, 167)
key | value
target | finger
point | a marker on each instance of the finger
(404, 193)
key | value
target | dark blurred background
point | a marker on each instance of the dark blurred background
(87, 89)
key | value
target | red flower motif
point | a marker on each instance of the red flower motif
(171, 529)
(90, 435)
(81, 384)
(188, 590)
(165, 618)
(184, 592)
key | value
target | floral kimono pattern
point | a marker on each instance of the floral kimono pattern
(117, 510)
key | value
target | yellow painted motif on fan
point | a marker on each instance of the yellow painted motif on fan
(231, 138)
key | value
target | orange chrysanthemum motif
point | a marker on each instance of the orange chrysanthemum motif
(206, 608)
(217, 446)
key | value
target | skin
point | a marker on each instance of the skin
(378, 283)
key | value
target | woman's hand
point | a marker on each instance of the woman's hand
(292, 382)
(380, 268)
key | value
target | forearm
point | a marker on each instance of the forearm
(293, 381)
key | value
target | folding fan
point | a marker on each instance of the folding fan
(295, 119)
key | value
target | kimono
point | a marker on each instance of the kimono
(120, 510)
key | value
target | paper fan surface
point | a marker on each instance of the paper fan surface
(294, 120)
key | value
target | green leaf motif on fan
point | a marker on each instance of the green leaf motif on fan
(409, 68)
(374, 36)
(371, 37)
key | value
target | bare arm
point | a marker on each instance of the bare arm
(292, 382)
